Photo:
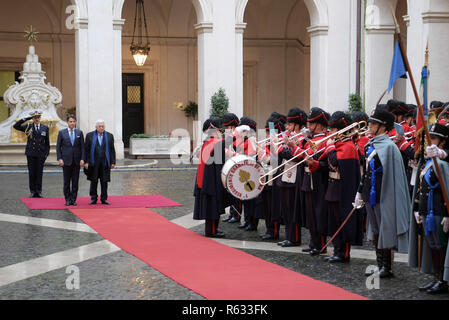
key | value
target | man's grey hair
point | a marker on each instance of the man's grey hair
(99, 121)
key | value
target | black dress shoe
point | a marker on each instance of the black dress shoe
(68, 203)
(93, 202)
(105, 202)
(288, 243)
(282, 242)
(328, 257)
(217, 234)
(438, 287)
(74, 203)
(233, 220)
(32, 195)
(314, 252)
(268, 237)
(226, 219)
(39, 195)
(250, 228)
(306, 250)
(337, 259)
(385, 273)
(427, 286)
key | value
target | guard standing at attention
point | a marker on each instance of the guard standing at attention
(37, 149)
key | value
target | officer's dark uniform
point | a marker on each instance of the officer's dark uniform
(37, 150)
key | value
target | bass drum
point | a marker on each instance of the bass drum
(240, 177)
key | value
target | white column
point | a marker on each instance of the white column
(239, 30)
(82, 77)
(379, 41)
(318, 65)
(117, 84)
(341, 61)
(220, 61)
(415, 45)
(98, 68)
(206, 72)
(436, 25)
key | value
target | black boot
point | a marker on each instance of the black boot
(440, 285)
(385, 271)
(380, 262)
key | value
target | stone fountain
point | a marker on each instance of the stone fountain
(30, 94)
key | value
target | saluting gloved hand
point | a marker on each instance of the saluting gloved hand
(358, 201)
(433, 151)
(445, 224)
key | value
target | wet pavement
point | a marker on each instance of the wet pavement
(121, 276)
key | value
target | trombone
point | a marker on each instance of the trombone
(340, 135)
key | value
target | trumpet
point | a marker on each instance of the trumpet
(279, 135)
(340, 135)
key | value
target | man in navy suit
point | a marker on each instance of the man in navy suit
(37, 149)
(70, 151)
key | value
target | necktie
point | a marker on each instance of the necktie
(72, 138)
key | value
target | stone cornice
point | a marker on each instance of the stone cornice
(381, 29)
(204, 27)
(81, 23)
(318, 30)
(118, 24)
(435, 17)
(240, 27)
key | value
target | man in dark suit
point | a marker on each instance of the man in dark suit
(37, 149)
(100, 159)
(70, 151)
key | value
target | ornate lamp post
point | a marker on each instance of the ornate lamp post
(139, 50)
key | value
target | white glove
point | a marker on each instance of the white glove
(241, 130)
(433, 151)
(358, 202)
(306, 132)
(445, 224)
(417, 217)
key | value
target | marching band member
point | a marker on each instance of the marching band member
(384, 190)
(344, 179)
(209, 192)
(245, 145)
(290, 179)
(314, 184)
(431, 213)
(230, 122)
(270, 193)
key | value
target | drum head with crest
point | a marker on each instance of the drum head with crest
(240, 177)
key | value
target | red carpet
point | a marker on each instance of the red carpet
(212, 270)
(141, 201)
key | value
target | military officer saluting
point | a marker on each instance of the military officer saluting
(37, 149)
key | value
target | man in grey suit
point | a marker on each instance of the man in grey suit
(70, 151)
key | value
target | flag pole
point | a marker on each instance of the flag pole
(420, 110)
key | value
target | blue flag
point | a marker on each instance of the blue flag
(397, 68)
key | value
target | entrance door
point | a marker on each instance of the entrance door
(133, 106)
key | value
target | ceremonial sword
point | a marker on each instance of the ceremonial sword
(341, 227)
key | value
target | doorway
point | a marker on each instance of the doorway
(133, 105)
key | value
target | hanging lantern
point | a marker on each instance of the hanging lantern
(139, 49)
